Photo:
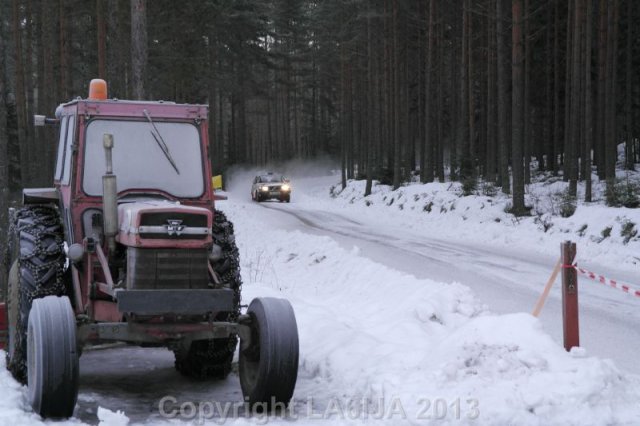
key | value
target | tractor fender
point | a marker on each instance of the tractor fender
(39, 196)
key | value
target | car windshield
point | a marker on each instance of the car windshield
(270, 179)
(138, 161)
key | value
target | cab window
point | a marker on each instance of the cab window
(68, 150)
(61, 142)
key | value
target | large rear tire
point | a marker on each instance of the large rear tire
(36, 256)
(52, 358)
(269, 366)
(211, 359)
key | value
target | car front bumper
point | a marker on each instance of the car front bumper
(278, 195)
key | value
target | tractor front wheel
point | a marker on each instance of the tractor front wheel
(269, 366)
(52, 357)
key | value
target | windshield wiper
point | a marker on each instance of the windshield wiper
(158, 138)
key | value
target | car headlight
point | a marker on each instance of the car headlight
(286, 187)
(264, 188)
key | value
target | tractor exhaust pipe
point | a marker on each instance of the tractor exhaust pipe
(109, 196)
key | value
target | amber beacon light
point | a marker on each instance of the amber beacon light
(97, 90)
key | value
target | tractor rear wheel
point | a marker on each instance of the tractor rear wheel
(212, 358)
(37, 259)
(269, 366)
(52, 357)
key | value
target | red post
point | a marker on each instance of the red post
(569, 296)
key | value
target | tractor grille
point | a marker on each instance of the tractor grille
(149, 269)
(162, 218)
(188, 220)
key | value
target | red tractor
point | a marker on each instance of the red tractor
(128, 247)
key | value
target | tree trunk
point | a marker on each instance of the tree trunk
(20, 101)
(369, 110)
(610, 98)
(138, 47)
(428, 98)
(566, 146)
(588, 109)
(471, 151)
(216, 151)
(557, 129)
(343, 124)
(4, 166)
(527, 93)
(102, 39)
(439, 136)
(396, 99)
(502, 99)
(40, 104)
(629, 140)
(491, 156)
(62, 51)
(571, 154)
(517, 110)
(600, 139)
(464, 118)
(51, 96)
(547, 133)
(117, 49)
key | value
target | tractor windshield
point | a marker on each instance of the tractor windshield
(138, 163)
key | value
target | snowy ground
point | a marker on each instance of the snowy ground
(406, 316)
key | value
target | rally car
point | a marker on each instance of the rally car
(270, 186)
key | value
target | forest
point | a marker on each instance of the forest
(490, 91)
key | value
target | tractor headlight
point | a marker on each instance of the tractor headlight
(264, 188)
(286, 187)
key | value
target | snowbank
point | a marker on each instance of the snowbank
(612, 235)
(371, 333)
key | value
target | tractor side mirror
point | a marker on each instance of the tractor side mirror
(41, 121)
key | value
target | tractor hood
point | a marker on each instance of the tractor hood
(157, 224)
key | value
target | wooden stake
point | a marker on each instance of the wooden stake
(547, 288)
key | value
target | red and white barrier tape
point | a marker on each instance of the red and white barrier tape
(606, 281)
